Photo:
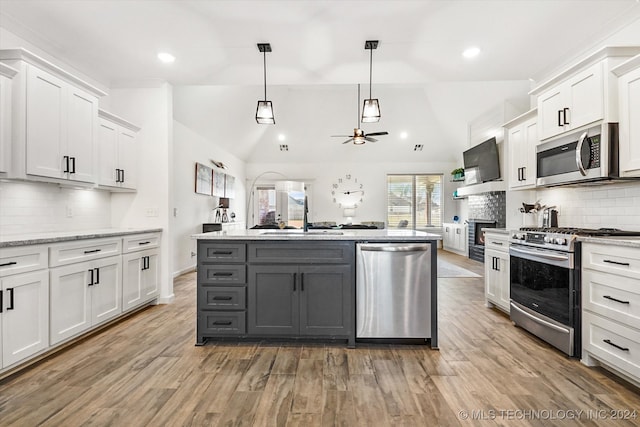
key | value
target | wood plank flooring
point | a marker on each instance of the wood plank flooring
(146, 370)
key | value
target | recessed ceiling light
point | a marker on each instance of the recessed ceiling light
(471, 52)
(165, 57)
(418, 147)
(403, 135)
(281, 137)
(284, 147)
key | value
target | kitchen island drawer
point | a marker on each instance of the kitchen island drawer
(611, 342)
(22, 259)
(84, 250)
(226, 252)
(612, 296)
(318, 252)
(222, 274)
(222, 323)
(222, 298)
(620, 260)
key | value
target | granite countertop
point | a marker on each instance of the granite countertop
(496, 230)
(368, 235)
(65, 236)
(628, 241)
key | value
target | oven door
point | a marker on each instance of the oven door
(542, 281)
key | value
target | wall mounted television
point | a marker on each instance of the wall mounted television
(482, 162)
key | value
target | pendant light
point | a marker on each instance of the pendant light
(264, 112)
(371, 107)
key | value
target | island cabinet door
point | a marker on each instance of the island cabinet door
(272, 302)
(326, 305)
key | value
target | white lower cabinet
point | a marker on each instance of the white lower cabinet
(140, 270)
(84, 295)
(497, 271)
(24, 316)
(611, 308)
(454, 238)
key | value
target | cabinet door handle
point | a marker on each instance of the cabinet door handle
(10, 306)
(117, 175)
(97, 282)
(144, 243)
(93, 251)
(73, 165)
(615, 299)
(1, 302)
(295, 275)
(497, 264)
(626, 264)
(66, 164)
(457, 231)
(8, 263)
(90, 277)
(616, 345)
(302, 282)
(222, 298)
(122, 178)
(560, 118)
(564, 114)
(222, 322)
(524, 173)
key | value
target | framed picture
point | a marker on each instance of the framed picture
(218, 183)
(230, 186)
(203, 179)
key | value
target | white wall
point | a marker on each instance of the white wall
(192, 210)
(373, 175)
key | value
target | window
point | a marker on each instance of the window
(414, 201)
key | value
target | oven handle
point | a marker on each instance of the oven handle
(541, 255)
(578, 152)
(540, 321)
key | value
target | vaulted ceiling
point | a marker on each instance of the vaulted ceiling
(426, 88)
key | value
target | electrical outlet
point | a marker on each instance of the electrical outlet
(151, 212)
(175, 212)
(69, 212)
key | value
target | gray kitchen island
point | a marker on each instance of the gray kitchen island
(295, 285)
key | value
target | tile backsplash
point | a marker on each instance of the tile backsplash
(29, 207)
(490, 205)
(609, 205)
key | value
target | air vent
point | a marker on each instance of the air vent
(284, 147)
(418, 147)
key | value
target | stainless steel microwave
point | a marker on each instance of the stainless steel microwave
(589, 156)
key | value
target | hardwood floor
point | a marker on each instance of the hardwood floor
(147, 371)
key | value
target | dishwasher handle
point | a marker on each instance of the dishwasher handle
(395, 248)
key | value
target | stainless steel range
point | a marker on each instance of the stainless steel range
(545, 282)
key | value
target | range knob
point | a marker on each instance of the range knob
(548, 239)
(518, 236)
(561, 241)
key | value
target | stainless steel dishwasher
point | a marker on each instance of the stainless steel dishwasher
(393, 290)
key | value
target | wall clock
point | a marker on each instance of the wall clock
(347, 192)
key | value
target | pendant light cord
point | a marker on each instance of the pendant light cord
(370, 71)
(264, 55)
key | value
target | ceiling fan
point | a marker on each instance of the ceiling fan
(359, 137)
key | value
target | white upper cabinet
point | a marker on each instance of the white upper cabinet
(6, 82)
(522, 138)
(55, 121)
(584, 93)
(117, 149)
(629, 98)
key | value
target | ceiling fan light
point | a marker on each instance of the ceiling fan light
(370, 111)
(358, 140)
(264, 113)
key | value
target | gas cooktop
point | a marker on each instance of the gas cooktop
(594, 232)
(562, 238)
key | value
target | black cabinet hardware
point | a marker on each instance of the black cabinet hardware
(222, 274)
(222, 253)
(457, 231)
(560, 118)
(222, 298)
(222, 322)
(294, 281)
(66, 164)
(615, 299)
(564, 115)
(524, 173)
(8, 263)
(73, 165)
(118, 175)
(10, 307)
(497, 243)
(93, 251)
(90, 277)
(616, 262)
(497, 264)
(145, 263)
(302, 282)
(616, 345)
(1, 303)
(144, 243)
(122, 177)
(97, 282)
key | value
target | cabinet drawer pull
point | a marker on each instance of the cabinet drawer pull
(616, 262)
(614, 299)
(497, 243)
(8, 263)
(144, 243)
(222, 322)
(10, 306)
(616, 345)
(223, 274)
(93, 251)
(223, 252)
(222, 298)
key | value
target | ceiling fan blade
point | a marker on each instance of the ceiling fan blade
(341, 136)
(366, 138)
(377, 133)
(348, 141)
